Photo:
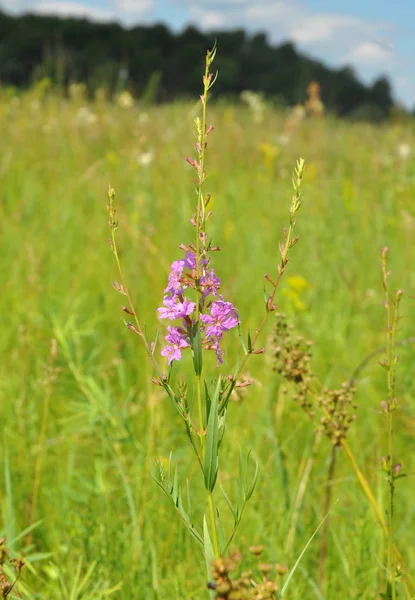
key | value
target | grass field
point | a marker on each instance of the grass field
(102, 527)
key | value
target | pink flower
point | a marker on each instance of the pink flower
(177, 340)
(175, 285)
(175, 308)
(210, 283)
(223, 317)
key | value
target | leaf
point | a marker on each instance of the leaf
(266, 298)
(228, 391)
(242, 341)
(244, 493)
(189, 499)
(173, 492)
(221, 534)
(211, 462)
(228, 502)
(24, 533)
(207, 400)
(222, 427)
(241, 482)
(251, 489)
(249, 342)
(209, 554)
(297, 562)
(155, 340)
(196, 342)
(86, 577)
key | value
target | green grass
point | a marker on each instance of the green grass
(103, 527)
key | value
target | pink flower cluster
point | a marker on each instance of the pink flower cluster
(216, 316)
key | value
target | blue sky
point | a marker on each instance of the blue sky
(374, 36)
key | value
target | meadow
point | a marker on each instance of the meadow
(81, 420)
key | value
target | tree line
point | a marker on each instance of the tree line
(169, 64)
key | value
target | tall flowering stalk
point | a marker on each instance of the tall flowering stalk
(198, 317)
(392, 470)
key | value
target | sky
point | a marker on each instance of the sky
(376, 37)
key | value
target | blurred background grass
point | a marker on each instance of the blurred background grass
(103, 527)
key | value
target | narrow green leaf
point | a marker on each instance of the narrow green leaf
(175, 488)
(227, 393)
(169, 464)
(249, 342)
(241, 484)
(173, 492)
(86, 577)
(207, 400)
(209, 553)
(211, 449)
(24, 533)
(221, 427)
(156, 339)
(228, 502)
(221, 534)
(189, 499)
(266, 298)
(237, 365)
(242, 342)
(297, 562)
(196, 342)
(181, 510)
(251, 489)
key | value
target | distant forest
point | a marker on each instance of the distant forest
(143, 57)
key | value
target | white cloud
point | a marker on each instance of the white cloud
(336, 39)
(71, 9)
(212, 19)
(264, 11)
(369, 52)
(121, 10)
(324, 28)
(208, 19)
(135, 7)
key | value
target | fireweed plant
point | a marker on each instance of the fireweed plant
(198, 317)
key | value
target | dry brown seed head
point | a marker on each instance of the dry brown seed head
(256, 550)
(265, 568)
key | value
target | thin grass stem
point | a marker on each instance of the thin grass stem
(327, 504)
(50, 378)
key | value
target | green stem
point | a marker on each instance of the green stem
(369, 495)
(200, 228)
(213, 525)
(50, 376)
(113, 226)
(288, 241)
(365, 486)
(390, 364)
(201, 175)
(201, 423)
(327, 505)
